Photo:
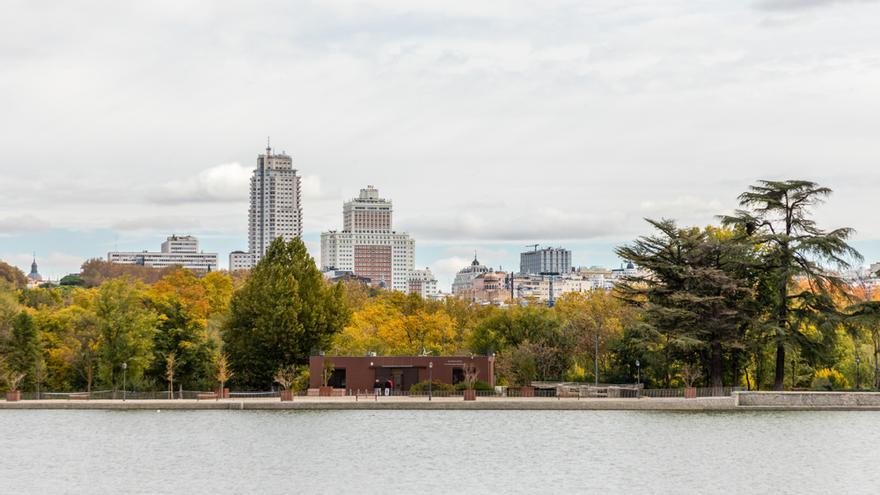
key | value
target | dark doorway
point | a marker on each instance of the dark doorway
(457, 375)
(337, 378)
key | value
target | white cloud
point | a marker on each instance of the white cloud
(540, 224)
(21, 223)
(167, 224)
(228, 182)
(802, 4)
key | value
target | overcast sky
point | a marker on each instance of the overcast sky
(490, 124)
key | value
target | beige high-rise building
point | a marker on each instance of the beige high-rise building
(367, 246)
(275, 208)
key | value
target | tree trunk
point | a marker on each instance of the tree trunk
(875, 336)
(734, 367)
(715, 368)
(779, 379)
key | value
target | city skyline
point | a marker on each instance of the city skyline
(488, 131)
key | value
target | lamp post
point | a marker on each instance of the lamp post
(124, 367)
(638, 376)
(858, 373)
(430, 380)
(596, 369)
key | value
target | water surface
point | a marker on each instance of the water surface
(438, 452)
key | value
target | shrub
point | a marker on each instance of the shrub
(829, 379)
(478, 385)
(437, 386)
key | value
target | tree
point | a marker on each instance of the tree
(126, 328)
(284, 312)
(83, 342)
(11, 276)
(595, 320)
(694, 294)
(181, 302)
(23, 348)
(170, 363)
(224, 374)
(776, 219)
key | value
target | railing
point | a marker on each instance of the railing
(562, 393)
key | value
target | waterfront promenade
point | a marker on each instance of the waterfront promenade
(741, 401)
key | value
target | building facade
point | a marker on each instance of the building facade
(462, 283)
(275, 207)
(359, 373)
(547, 260)
(176, 251)
(423, 283)
(367, 246)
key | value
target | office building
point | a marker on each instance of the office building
(176, 251)
(275, 208)
(367, 246)
(547, 260)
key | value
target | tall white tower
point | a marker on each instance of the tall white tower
(275, 207)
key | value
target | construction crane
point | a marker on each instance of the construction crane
(533, 246)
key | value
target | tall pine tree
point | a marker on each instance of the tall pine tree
(776, 219)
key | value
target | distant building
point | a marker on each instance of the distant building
(275, 208)
(423, 283)
(176, 251)
(367, 246)
(334, 275)
(464, 277)
(875, 268)
(547, 260)
(34, 276)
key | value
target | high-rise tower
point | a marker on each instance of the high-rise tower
(367, 246)
(275, 207)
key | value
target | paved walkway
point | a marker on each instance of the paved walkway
(392, 403)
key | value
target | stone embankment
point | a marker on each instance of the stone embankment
(740, 401)
(387, 403)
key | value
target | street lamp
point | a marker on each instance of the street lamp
(638, 376)
(124, 367)
(858, 373)
(430, 380)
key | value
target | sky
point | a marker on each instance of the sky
(491, 125)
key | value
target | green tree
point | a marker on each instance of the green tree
(693, 293)
(126, 326)
(183, 334)
(284, 311)
(11, 276)
(776, 219)
(23, 349)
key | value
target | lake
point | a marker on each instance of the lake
(438, 452)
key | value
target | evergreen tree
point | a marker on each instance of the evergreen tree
(776, 219)
(694, 295)
(283, 312)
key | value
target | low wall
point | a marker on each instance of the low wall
(808, 400)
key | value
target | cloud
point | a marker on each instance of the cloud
(445, 269)
(169, 224)
(22, 223)
(682, 207)
(541, 224)
(786, 5)
(228, 182)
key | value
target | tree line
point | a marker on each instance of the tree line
(755, 301)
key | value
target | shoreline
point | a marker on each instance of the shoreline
(704, 404)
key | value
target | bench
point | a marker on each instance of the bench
(206, 395)
(78, 397)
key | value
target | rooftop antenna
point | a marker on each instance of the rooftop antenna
(268, 145)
